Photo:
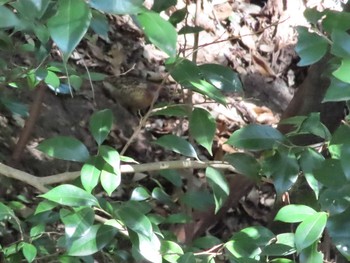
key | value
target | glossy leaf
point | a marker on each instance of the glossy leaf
(111, 156)
(337, 91)
(310, 47)
(140, 194)
(245, 164)
(255, 137)
(65, 148)
(199, 200)
(341, 42)
(29, 252)
(209, 90)
(335, 202)
(99, 23)
(311, 255)
(309, 160)
(294, 213)
(149, 247)
(177, 144)
(69, 25)
(161, 5)
(5, 212)
(202, 128)
(118, 7)
(336, 227)
(247, 242)
(187, 258)
(90, 173)
(159, 31)
(283, 167)
(330, 173)
(93, 240)
(77, 222)
(45, 206)
(171, 251)
(178, 16)
(172, 110)
(8, 18)
(160, 195)
(70, 195)
(183, 70)
(219, 186)
(223, 78)
(101, 124)
(172, 176)
(135, 220)
(342, 72)
(109, 180)
(335, 20)
(310, 230)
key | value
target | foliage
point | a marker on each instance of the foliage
(130, 229)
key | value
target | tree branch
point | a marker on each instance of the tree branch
(40, 182)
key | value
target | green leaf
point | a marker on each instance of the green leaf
(161, 196)
(247, 242)
(172, 176)
(330, 173)
(76, 82)
(161, 5)
(342, 72)
(187, 258)
(15, 106)
(90, 173)
(29, 251)
(294, 213)
(183, 70)
(100, 25)
(69, 25)
(160, 32)
(109, 180)
(52, 80)
(336, 227)
(190, 30)
(335, 202)
(283, 167)
(45, 206)
(111, 156)
(199, 199)
(313, 125)
(171, 251)
(344, 160)
(172, 110)
(219, 185)
(101, 124)
(310, 47)
(256, 137)
(337, 91)
(177, 144)
(135, 220)
(244, 164)
(118, 7)
(149, 247)
(209, 90)
(178, 16)
(70, 195)
(341, 42)
(336, 20)
(93, 240)
(202, 128)
(77, 222)
(309, 160)
(8, 18)
(310, 230)
(65, 148)
(140, 194)
(311, 255)
(223, 78)
(6, 212)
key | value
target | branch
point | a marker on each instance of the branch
(40, 182)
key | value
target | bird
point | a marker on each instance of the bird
(133, 93)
